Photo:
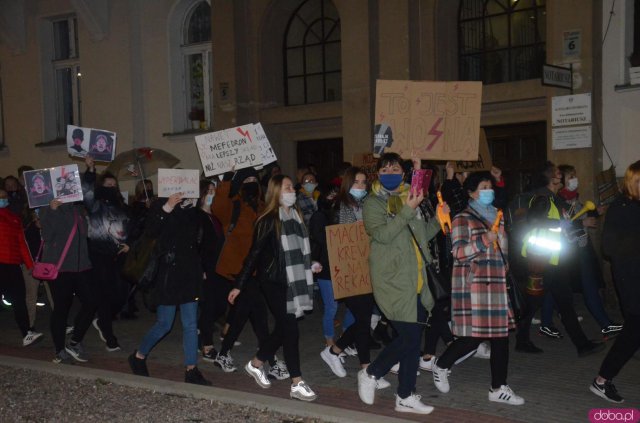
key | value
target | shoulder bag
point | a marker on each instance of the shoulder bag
(49, 271)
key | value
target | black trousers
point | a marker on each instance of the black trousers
(555, 280)
(249, 305)
(213, 305)
(285, 332)
(438, 326)
(361, 306)
(499, 356)
(13, 288)
(62, 290)
(109, 290)
(624, 347)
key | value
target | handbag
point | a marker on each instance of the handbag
(436, 281)
(516, 298)
(49, 271)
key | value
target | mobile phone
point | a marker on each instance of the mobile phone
(417, 181)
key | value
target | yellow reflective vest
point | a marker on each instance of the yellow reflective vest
(545, 241)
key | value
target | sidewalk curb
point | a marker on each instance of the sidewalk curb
(280, 405)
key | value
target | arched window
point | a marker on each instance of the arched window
(501, 40)
(312, 65)
(196, 52)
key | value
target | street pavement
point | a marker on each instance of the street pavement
(555, 384)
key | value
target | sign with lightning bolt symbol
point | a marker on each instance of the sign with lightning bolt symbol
(436, 133)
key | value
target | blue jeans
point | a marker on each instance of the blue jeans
(330, 309)
(165, 317)
(590, 281)
(405, 349)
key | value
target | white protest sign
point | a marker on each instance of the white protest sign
(186, 181)
(229, 149)
(266, 151)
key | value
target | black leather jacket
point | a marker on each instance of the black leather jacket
(265, 257)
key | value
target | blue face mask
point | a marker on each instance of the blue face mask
(208, 200)
(486, 197)
(358, 194)
(390, 181)
(4, 202)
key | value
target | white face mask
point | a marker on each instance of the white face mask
(288, 199)
(208, 200)
(572, 184)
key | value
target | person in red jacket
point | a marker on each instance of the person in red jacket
(13, 253)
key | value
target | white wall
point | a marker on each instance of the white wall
(621, 108)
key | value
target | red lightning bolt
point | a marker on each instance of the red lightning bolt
(336, 270)
(244, 134)
(436, 132)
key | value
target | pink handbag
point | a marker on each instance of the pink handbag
(49, 271)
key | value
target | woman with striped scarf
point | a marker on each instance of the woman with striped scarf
(281, 257)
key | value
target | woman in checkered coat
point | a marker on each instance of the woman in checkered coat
(480, 308)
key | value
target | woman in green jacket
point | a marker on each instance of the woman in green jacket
(391, 215)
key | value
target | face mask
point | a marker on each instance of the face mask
(208, 200)
(391, 181)
(250, 189)
(288, 199)
(4, 202)
(110, 194)
(572, 184)
(358, 194)
(309, 187)
(486, 197)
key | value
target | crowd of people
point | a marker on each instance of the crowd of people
(253, 245)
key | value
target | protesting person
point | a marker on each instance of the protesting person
(281, 257)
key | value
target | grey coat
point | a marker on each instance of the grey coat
(56, 227)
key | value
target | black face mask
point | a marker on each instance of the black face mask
(250, 190)
(110, 194)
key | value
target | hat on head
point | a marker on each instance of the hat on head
(238, 179)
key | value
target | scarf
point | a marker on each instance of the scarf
(395, 200)
(488, 213)
(297, 257)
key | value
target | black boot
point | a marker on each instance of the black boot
(194, 376)
(138, 365)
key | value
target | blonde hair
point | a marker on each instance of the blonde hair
(272, 200)
(631, 181)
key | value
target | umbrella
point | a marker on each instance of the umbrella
(140, 163)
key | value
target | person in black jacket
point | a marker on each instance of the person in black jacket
(620, 237)
(175, 224)
(281, 257)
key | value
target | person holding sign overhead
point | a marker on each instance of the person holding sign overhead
(281, 256)
(399, 235)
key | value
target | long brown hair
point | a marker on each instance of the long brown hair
(631, 181)
(348, 179)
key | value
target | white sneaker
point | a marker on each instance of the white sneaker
(258, 374)
(95, 325)
(440, 378)
(333, 361)
(535, 321)
(426, 365)
(382, 383)
(396, 368)
(483, 351)
(279, 370)
(350, 351)
(412, 404)
(225, 362)
(366, 387)
(505, 395)
(68, 330)
(302, 391)
(30, 338)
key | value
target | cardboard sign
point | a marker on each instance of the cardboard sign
(97, 143)
(348, 248)
(186, 181)
(367, 163)
(61, 183)
(428, 120)
(266, 151)
(229, 149)
(484, 161)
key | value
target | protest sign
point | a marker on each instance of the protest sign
(229, 149)
(348, 248)
(186, 181)
(266, 151)
(484, 161)
(428, 120)
(61, 183)
(367, 163)
(97, 143)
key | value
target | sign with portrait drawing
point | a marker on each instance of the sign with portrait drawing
(61, 183)
(97, 143)
(427, 119)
